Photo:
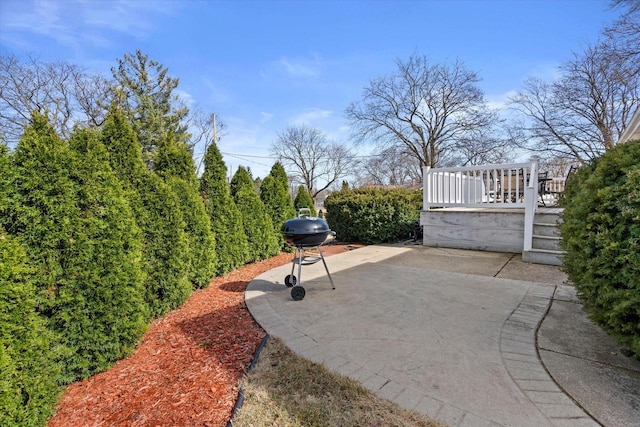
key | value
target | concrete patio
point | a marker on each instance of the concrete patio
(453, 334)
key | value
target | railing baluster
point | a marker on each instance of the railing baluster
(477, 186)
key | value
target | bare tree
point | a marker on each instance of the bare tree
(583, 113)
(393, 166)
(311, 158)
(427, 109)
(205, 129)
(66, 92)
(623, 36)
(487, 145)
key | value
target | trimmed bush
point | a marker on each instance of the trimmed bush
(158, 214)
(277, 203)
(28, 360)
(278, 173)
(263, 241)
(303, 200)
(373, 215)
(226, 221)
(175, 164)
(601, 237)
(69, 211)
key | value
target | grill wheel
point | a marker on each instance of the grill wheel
(297, 293)
(290, 280)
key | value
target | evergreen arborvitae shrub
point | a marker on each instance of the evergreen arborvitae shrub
(303, 200)
(241, 179)
(29, 363)
(373, 215)
(232, 248)
(601, 236)
(175, 164)
(70, 212)
(158, 214)
(280, 175)
(258, 227)
(277, 204)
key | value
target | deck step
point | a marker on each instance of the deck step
(543, 256)
(545, 246)
(548, 218)
(546, 242)
(545, 229)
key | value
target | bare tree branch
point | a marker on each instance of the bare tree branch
(427, 109)
(66, 92)
(585, 111)
(312, 159)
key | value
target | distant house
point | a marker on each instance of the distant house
(632, 132)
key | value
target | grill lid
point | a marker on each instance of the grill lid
(305, 224)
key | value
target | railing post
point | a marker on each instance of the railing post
(530, 204)
(426, 187)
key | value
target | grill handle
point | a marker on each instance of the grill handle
(304, 213)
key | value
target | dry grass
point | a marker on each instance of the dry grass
(289, 391)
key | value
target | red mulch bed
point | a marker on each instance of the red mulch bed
(186, 370)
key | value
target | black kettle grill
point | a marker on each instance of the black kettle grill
(305, 233)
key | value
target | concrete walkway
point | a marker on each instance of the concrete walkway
(448, 333)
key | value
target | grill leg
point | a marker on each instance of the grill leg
(300, 258)
(293, 261)
(326, 268)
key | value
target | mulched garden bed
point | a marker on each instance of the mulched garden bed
(187, 368)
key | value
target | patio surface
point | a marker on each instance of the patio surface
(452, 334)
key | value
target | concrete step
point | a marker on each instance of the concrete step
(544, 229)
(542, 256)
(546, 242)
(547, 218)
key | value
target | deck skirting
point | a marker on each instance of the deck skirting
(498, 230)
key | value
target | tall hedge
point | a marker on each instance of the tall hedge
(175, 164)
(303, 200)
(601, 237)
(241, 179)
(280, 175)
(68, 210)
(158, 214)
(226, 220)
(277, 204)
(258, 227)
(29, 360)
(373, 215)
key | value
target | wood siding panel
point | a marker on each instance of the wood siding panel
(489, 231)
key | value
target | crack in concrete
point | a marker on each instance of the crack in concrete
(504, 265)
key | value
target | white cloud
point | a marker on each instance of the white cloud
(299, 68)
(217, 95)
(76, 23)
(309, 117)
(547, 72)
(500, 101)
(185, 97)
(265, 117)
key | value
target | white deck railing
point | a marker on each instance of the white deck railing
(493, 186)
(512, 185)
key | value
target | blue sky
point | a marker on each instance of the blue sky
(265, 65)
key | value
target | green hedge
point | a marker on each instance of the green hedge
(29, 364)
(601, 237)
(157, 211)
(303, 200)
(174, 164)
(258, 227)
(68, 209)
(277, 203)
(373, 215)
(232, 247)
